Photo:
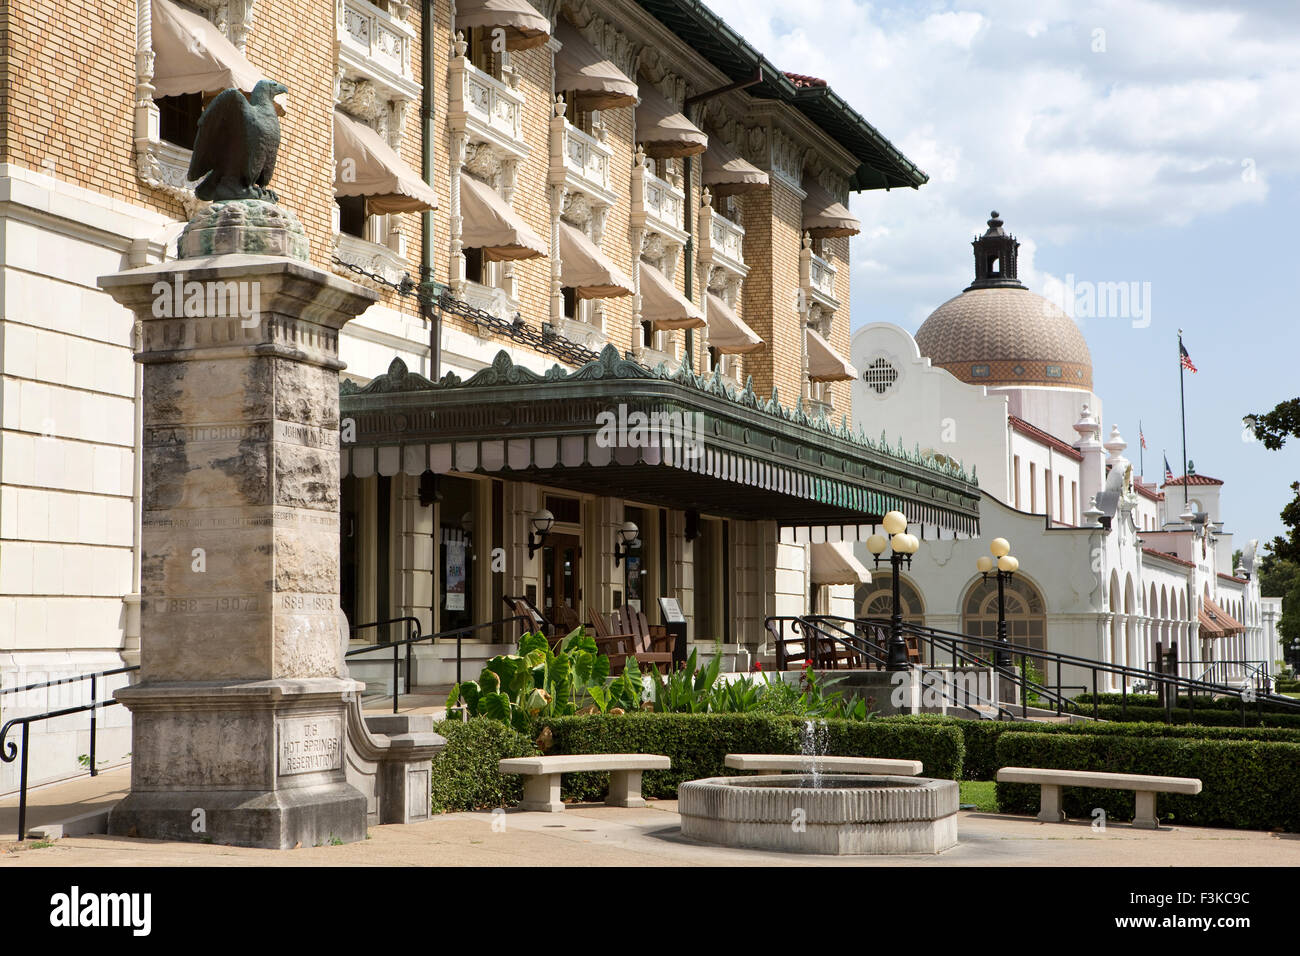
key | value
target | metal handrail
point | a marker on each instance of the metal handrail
(458, 633)
(9, 750)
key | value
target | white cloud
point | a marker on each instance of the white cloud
(1191, 110)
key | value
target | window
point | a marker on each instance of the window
(979, 371)
(474, 271)
(1047, 492)
(584, 120)
(1015, 477)
(480, 51)
(1060, 498)
(566, 510)
(352, 215)
(1033, 485)
(880, 375)
(178, 118)
(1026, 614)
(570, 297)
(1074, 502)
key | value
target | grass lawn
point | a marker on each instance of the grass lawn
(982, 793)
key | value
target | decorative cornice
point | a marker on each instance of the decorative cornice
(613, 366)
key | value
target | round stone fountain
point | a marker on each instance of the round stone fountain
(822, 813)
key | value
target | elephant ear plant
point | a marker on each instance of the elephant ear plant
(538, 682)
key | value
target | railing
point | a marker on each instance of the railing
(983, 651)
(489, 102)
(397, 647)
(664, 201)
(586, 157)
(9, 750)
(821, 276)
(1254, 673)
(728, 239)
(371, 32)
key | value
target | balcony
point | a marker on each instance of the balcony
(817, 278)
(375, 46)
(721, 246)
(488, 109)
(586, 158)
(658, 206)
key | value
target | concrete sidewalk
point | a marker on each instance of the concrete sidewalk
(596, 835)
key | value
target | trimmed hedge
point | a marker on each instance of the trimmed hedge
(1184, 700)
(465, 776)
(1207, 716)
(981, 736)
(1247, 784)
(697, 744)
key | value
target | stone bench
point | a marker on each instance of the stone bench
(776, 763)
(542, 777)
(1145, 785)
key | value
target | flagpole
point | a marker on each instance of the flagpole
(1142, 445)
(1182, 404)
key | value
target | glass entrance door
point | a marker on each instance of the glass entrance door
(561, 577)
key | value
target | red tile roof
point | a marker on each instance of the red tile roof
(1168, 557)
(1193, 480)
(803, 79)
(1148, 491)
(1229, 577)
(1043, 438)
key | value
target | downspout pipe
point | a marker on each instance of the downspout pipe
(429, 288)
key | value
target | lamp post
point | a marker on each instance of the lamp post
(901, 548)
(541, 527)
(1006, 565)
(628, 537)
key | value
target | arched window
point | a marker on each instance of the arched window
(876, 599)
(1026, 613)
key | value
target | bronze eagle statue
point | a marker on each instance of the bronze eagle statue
(237, 143)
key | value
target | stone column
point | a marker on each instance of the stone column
(239, 717)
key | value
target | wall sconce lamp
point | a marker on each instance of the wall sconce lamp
(541, 523)
(628, 537)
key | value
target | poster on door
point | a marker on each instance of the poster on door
(455, 564)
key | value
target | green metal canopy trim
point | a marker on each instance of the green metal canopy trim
(507, 418)
(883, 166)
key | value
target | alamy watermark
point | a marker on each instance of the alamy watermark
(624, 429)
(180, 299)
(1084, 299)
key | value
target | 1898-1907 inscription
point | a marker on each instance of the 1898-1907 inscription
(310, 744)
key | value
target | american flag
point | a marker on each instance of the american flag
(1169, 475)
(1185, 358)
(1142, 439)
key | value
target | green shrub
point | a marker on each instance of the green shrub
(465, 775)
(981, 736)
(1207, 715)
(697, 744)
(1184, 701)
(1246, 784)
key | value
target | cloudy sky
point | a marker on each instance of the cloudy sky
(1155, 143)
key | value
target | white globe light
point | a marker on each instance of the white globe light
(984, 564)
(1008, 563)
(999, 547)
(876, 544)
(913, 543)
(899, 543)
(894, 522)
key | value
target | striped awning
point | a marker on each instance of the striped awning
(616, 428)
(1216, 622)
(191, 55)
(524, 27)
(587, 74)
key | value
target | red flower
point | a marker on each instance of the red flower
(808, 662)
(758, 665)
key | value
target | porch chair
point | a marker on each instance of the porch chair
(649, 644)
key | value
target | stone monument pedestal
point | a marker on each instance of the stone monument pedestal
(240, 716)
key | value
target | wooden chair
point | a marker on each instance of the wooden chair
(613, 643)
(532, 619)
(650, 645)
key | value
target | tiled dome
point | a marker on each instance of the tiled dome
(997, 332)
(1006, 336)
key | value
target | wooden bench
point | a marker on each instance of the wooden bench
(1146, 787)
(776, 763)
(542, 777)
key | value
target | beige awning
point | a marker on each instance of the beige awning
(726, 173)
(823, 216)
(365, 165)
(833, 563)
(581, 69)
(663, 130)
(587, 270)
(192, 56)
(525, 27)
(488, 223)
(1216, 622)
(824, 363)
(664, 306)
(727, 333)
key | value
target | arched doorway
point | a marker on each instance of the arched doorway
(877, 598)
(1026, 612)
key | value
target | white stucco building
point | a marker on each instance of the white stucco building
(1000, 380)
